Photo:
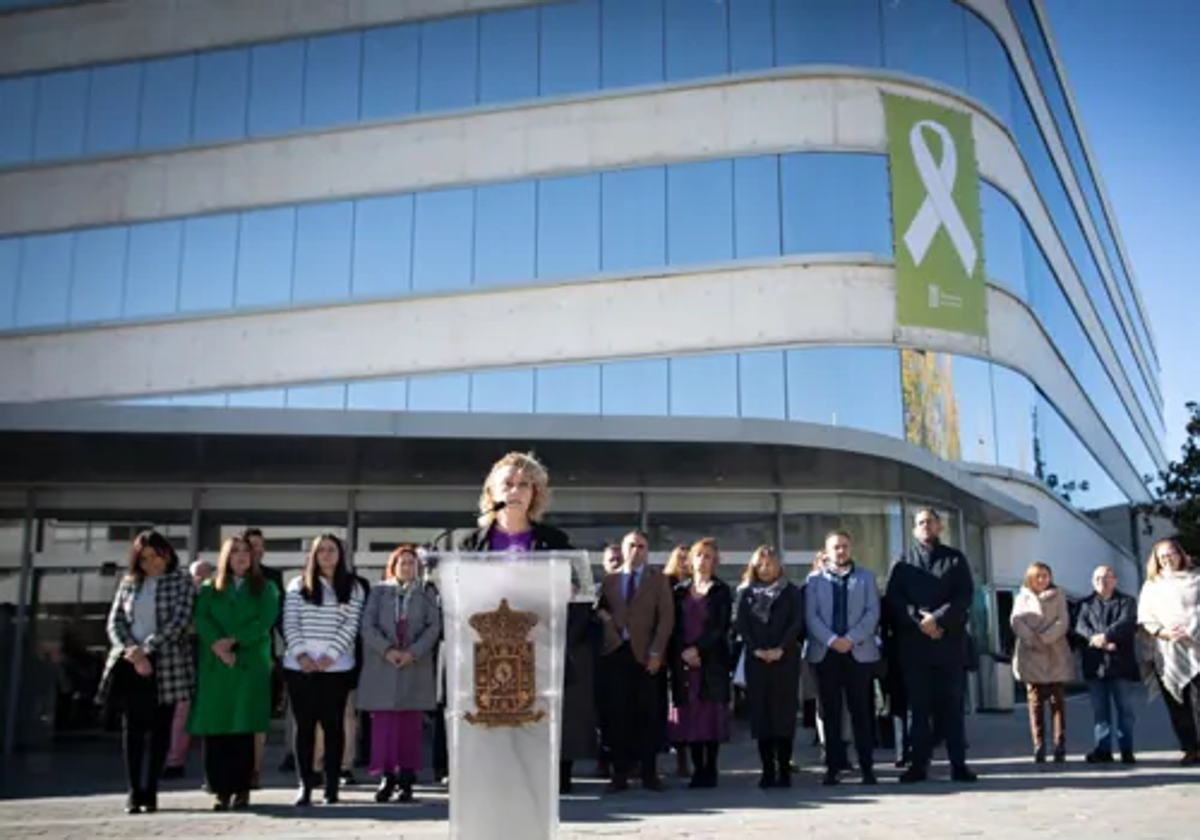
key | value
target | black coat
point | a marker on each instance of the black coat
(930, 579)
(1116, 618)
(716, 665)
(545, 538)
(773, 690)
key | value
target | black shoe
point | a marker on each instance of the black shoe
(1127, 757)
(386, 788)
(913, 775)
(768, 778)
(150, 801)
(133, 803)
(1099, 756)
(241, 801)
(348, 778)
(220, 803)
(303, 797)
(868, 778)
(831, 778)
(331, 794)
(963, 774)
(1060, 755)
(1039, 756)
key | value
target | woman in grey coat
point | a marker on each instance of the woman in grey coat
(401, 625)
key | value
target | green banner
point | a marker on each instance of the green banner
(935, 217)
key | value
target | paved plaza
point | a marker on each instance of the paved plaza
(75, 795)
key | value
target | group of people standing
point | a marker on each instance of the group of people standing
(650, 664)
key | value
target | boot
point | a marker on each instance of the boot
(682, 770)
(711, 750)
(387, 786)
(303, 796)
(407, 780)
(766, 754)
(783, 758)
(698, 776)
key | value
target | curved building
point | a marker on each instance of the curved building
(747, 268)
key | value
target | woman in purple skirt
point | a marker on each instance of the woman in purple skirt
(400, 630)
(700, 662)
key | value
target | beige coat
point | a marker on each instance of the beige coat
(1041, 623)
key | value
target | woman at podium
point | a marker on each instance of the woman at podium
(515, 496)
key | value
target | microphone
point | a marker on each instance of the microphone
(433, 544)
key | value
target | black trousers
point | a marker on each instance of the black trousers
(229, 763)
(319, 699)
(146, 727)
(638, 719)
(844, 682)
(935, 698)
(1185, 716)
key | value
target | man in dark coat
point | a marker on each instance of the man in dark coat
(1107, 624)
(929, 596)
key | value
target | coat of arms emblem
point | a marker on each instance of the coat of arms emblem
(505, 680)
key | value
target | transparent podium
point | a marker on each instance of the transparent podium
(505, 616)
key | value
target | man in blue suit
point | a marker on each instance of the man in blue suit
(842, 614)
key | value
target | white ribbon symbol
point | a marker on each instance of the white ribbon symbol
(938, 210)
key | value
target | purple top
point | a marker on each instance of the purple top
(501, 541)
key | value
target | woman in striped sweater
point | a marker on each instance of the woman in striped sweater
(321, 615)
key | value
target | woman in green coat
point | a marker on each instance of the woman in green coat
(234, 614)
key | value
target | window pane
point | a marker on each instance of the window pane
(1014, 408)
(756, 207)
(508, 56)
(113, 108)
(439, 393)
(266, 243)
(634, 218)
(700, 213)
(836, 203)
(317, 397)
(751, 35)
(168, 87)
(270, 398)
(17, 98)
(988, 68)
(704, 386)
(332, 68)
(976, 413)
(99, 274)
(151, 286)
(10, 276)
(819, 32)
(378, 395)
(571, 389)
(276, 88)
(209, 258)
(502, 391)
(505, 239)
(383, 229)
(632, 32)
(1003, 249)
(925, 37)
(737, 534)
(568, 227)
(570, 48)
(697, 39)
(45, 280)
(448, 64)
(762, 385)
(857, 387)
(389, 74)
(222, 92)
(636, 388)
(323, 237)
(442, 240)
(61, 113)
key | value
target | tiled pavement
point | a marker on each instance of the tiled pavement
(76, 794)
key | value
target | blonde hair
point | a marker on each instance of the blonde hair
(701, 544)
(1032, 572)
(1153, 571)
(750, 573)
(527, 465)
(224, 575)
(678, 563)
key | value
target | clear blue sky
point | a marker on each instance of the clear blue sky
(1134, 67)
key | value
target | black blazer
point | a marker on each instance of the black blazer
(716, 659)
(545, 538)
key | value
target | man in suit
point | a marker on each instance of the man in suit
(638, 615)
(842, 610)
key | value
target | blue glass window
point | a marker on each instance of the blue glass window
(508, 56)
(18, 98)
(631, 42)
(502, 391)
(697, 37)
(440, 393)
(971, 389)
(61, 115)
(818, 32)
(926, 38)
(1003, 247)
(329, 397)
(152, 279)
(332, 72)
(442, 241)
(635, 388)
(700, 212)
(704, 386)
(568, 227)
(98, 274)
(276, 88)
(113, 102)
(988, 68)
(168, 88)
(633, 205)
(45, 280)
(570, 389)
(383, 229)
(751, 35)
(10, 278)
(267, 398)
(378, 395)
(390, 72)
(819, 389)
(324, 233)
(836, 203)
(222, 96)
(206, 278)
(266, 246)
(505, 233)
(756, 207)
(762, 385)
(449, 54)
(570, 48)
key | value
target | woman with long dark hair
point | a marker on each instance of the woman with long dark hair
(150, 667)
(235, 613)
(321, 614)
